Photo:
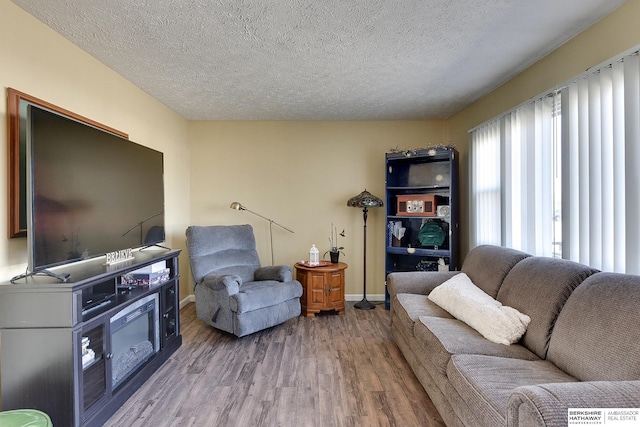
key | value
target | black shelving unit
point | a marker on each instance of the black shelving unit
(421, 187)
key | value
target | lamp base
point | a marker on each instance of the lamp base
(364, 305)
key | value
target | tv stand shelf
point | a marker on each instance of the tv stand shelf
(42, 325)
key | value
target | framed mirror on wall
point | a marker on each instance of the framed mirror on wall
(17, 103)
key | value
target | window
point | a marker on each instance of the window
(569, 181)
(514, 178)
(486, 172)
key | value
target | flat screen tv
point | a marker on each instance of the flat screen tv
(89, 192)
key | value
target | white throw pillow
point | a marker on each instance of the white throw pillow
(470, 304)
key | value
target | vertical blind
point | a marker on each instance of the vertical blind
(560, 175)
(486, 177)
(512, 179)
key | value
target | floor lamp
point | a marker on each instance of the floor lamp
(237, 206)
(365, 200)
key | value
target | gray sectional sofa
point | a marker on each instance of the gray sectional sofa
(581, 348)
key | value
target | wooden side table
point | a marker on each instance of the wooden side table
(322, 288)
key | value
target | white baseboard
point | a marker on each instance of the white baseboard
(187, 300)
(349, 297)
(358, 297)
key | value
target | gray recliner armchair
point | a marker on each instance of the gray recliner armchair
(233, 292)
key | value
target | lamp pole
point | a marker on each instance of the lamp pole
(365, 200)
(365, 304)
(238, 206)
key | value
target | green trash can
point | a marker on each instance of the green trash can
(24, 418)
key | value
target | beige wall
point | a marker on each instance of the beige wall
(301, 174)
(38, 61)
(319, 165)
(297, 173)
(616, 33)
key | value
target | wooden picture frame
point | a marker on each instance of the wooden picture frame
(16, 154)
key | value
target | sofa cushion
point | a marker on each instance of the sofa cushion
(539, 287)
(440, 391)
(465, 301)
(409, 307)
(486, 382)
(597, 335)
(487, 266)
(440, 338)
(451, 407)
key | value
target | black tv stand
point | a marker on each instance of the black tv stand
(45, 322)
(63, 277)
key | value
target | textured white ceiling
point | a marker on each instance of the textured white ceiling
(318, 59)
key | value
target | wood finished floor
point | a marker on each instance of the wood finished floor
(325, 371)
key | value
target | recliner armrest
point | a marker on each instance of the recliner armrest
(547, 404)
(230, 282)
(281, 273)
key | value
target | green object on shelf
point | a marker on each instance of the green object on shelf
(431, 234)
(24, 418)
